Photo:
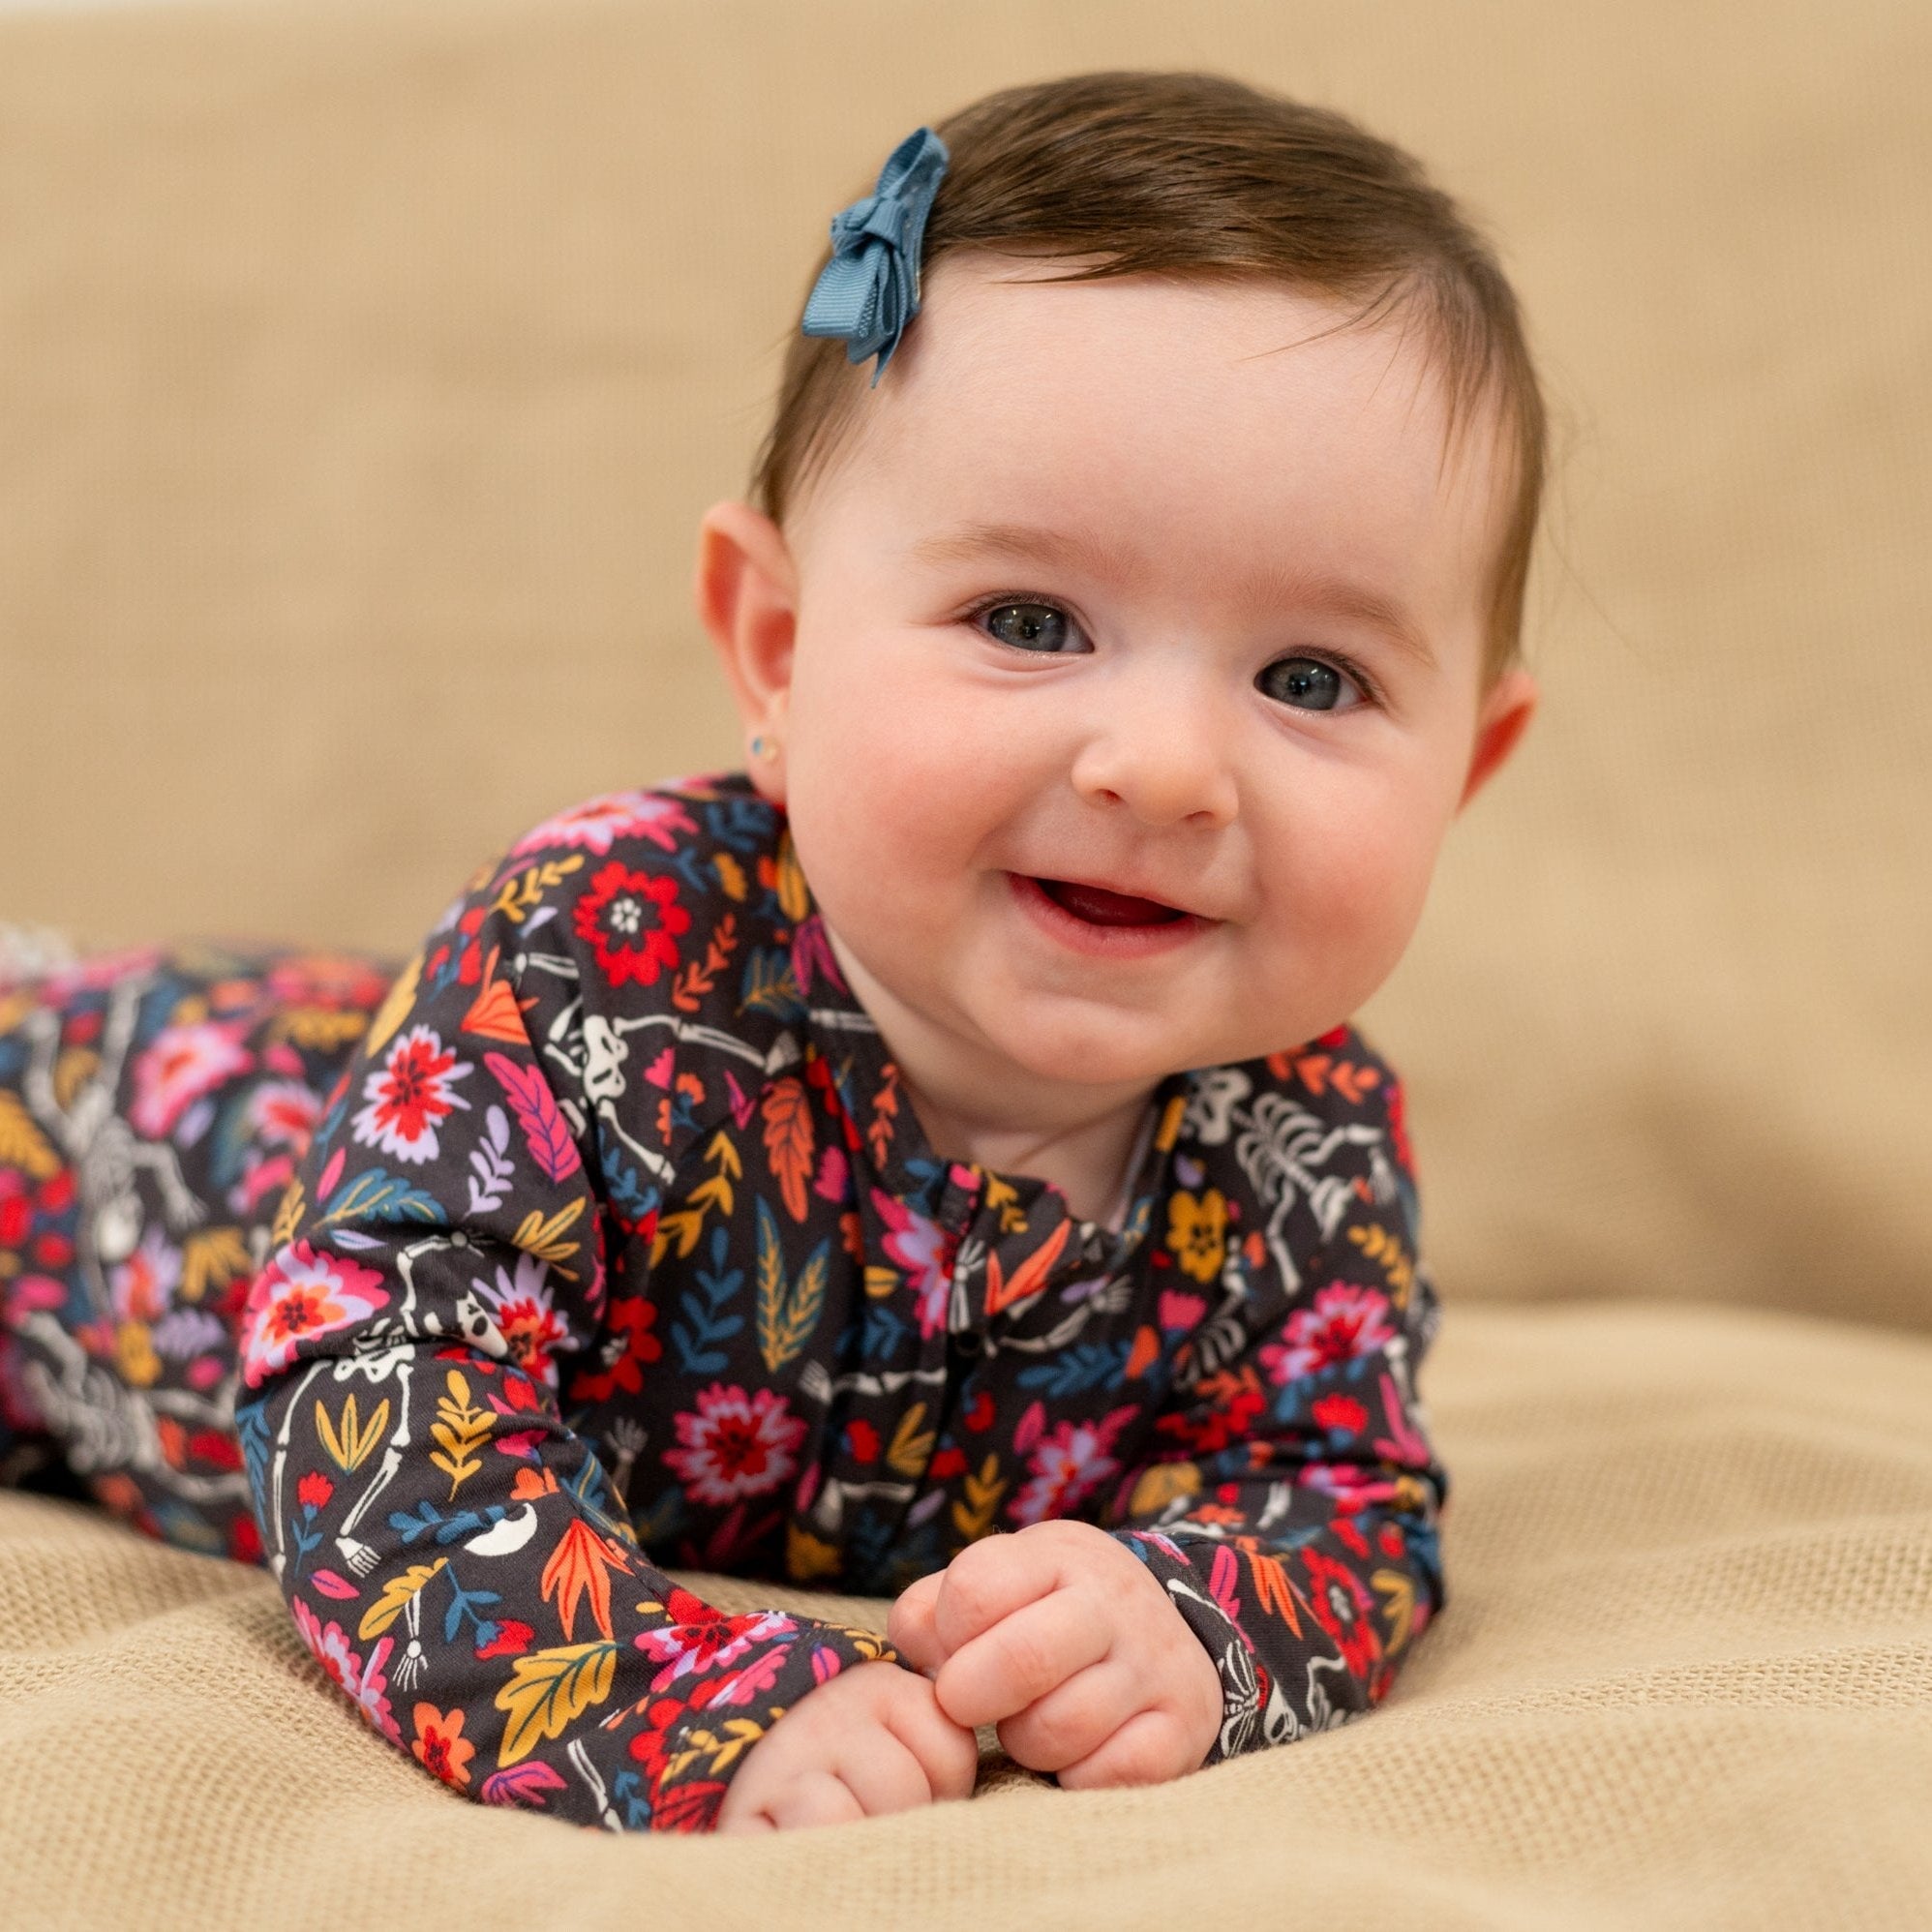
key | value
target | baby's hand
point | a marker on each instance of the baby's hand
(870, 1740)
(1062, 1636)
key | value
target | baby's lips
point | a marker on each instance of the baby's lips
(1101, 905)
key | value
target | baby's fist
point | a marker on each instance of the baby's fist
(870, 1740)
(1060, 1636)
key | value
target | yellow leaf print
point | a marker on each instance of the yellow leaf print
(548, 1691)
(794, 901)
(211, 1258)
(71, 1073)
(1159, 1485)
(22, 1144)
(807, 1556)
(395, 1598)
(139, 1364)
(1388, 1253)
(395, 1007)
(545, 1238)
(350, 1446)
(912, 1449)
(460, 1431)
(974, 1517)
(288, 1216)
(1197, 1232)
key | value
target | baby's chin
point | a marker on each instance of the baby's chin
(1077, 1043)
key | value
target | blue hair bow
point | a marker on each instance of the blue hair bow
(869, 290)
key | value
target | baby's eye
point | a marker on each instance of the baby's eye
(1032, 627)
(1310, 685)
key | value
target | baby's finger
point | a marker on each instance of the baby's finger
(989, 1580)
(949, 1755)
(882, 1774)
(1072, 1722)
(1144, 1751)
(1022, 1657)
(815, 1797)
(909, 1624)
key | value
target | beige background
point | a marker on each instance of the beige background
(363, 371)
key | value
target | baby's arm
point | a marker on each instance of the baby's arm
(451, 1548)
(1295, 1548)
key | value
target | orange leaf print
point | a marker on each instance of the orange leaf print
(1029, 1277)
(494, 1011)
(788, 1141)
(1272, 1590)
(578, 1566)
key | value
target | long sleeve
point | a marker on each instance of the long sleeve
(453, 1552)
(1294, 1519)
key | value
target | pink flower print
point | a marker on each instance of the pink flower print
(145, 1283)
(364, 1684)
(922, 1249)
(180, 1065)
(1344, 1324)
(527, 1316)
(301, 1295)
(593, 825)
(737, 1443)
(1068, 1467)
(409, 1096)
(1352, 1488)
(283, 1113)
(685, 1650)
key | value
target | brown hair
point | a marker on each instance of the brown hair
(1195, 175)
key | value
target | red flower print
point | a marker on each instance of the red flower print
(1344, 1324)
(1068, 1465)
(440, 1746)
(512, 1639)
(314, 1491)
(1342, 1606)
(632, 921)
(630, 1322)
(737, 1443)
(1340, 1413)
(527, 1316)
(409, 1096)
(688, 1649)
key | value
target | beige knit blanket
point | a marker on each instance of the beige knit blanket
(1684, 1678)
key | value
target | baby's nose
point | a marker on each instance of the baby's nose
(1163, 754)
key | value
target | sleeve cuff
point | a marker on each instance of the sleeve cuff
(1220, 1635)
(687, 1752)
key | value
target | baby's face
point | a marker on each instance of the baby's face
(1136, 673)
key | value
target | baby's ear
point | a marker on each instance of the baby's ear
(1504, 716)
(746, 592)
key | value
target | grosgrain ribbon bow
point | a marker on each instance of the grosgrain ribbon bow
(869, 290)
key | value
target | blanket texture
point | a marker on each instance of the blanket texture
(1684, 1681)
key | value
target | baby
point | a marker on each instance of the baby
(936, 1165)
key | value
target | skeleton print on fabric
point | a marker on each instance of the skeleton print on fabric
(608, 1238)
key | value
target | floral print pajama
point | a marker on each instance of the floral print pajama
(604, 1237)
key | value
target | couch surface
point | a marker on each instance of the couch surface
(1684, 1681)
(363, 371)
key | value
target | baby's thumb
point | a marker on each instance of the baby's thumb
(909, 1625)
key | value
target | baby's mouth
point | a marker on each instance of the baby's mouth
(1100, 907)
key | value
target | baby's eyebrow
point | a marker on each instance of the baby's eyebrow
(1023, 542)
(1272, 587)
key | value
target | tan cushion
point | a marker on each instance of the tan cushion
(362, 371)
(1684, 1681)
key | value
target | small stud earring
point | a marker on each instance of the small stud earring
(762, 747)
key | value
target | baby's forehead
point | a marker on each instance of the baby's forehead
(1206, 403)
